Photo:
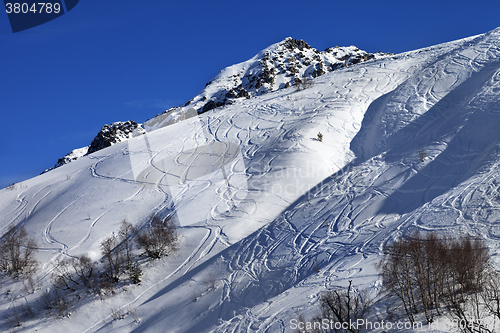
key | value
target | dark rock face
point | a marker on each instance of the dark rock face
(112, 134)
(211, 105)
(295, 44)
(291, 62)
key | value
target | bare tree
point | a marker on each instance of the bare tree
(126, 232)
(85, 269)
(63, 276)
(71, 272)
(491, 295)
(17, 252)
(159, 239)
(113, 255)
(395, 270)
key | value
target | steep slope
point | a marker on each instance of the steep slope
(265, 211)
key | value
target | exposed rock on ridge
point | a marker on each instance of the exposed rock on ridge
(112, 134)
(279, 66)
(107, 136)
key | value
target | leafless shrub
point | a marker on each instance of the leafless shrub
(104, 288)
(117, 314)
(159, 240)
(12, 187)
(85, 269)
(304, 83)
(13, 316)
(17, 252)
(211, 281)
(421, 154)
(63, 276)
(320, 137)
(343, 307)
(28, 311)
(56, 302)
(113, 255)
(29, 285)
(337, 306)
(134, 313)
(45, 300)
(62, 304)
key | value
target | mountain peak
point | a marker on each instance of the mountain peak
(291, 44)
(279, 66)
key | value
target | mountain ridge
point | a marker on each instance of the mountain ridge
(290, 62)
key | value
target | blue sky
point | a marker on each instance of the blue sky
(108, 61)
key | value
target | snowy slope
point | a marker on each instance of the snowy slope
(263, 208)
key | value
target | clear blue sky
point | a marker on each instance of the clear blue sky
(113, 60)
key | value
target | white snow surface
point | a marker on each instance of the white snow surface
(263, 208)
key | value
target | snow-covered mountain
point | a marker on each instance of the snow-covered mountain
(108, 135)
(290, 62)
(268, 215)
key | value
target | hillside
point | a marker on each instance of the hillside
(290, 62)
(266, 213)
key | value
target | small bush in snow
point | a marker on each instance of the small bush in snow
(159, 240)
(337, 306)
(12, 187)
(134, 313)
(117, 314)
(72, 272)
(13, 316)
(56, 302)
(17, 252)
(304, 83)
(135, 273)
(320, 137)
(421, 154)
